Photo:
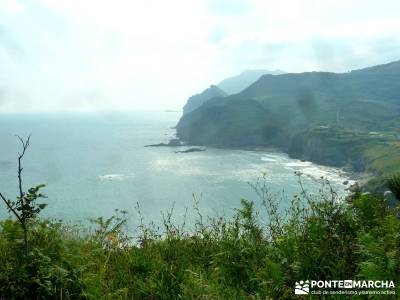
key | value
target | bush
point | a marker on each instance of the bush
(394, 185)
(318, 237)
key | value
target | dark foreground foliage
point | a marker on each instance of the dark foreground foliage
(317, 238)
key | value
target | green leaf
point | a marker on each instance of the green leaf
(42, 205)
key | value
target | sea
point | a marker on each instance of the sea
(96, 163)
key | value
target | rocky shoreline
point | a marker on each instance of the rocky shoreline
(353, 177)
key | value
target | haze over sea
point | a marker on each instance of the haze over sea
(95, 163)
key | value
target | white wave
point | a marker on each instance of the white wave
(298, 164)
(269, 159)
(114, 177)
(331, 174)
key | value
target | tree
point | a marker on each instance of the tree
(25, 208)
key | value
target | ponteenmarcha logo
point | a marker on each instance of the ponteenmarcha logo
(344, 287)
(302, 287)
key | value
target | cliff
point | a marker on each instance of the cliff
(334, 119)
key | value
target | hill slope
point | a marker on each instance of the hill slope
(229, 86)
(335, 119)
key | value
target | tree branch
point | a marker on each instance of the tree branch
(10, 207)
(25, 145)
(22, 201)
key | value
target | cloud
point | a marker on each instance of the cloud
(10, 6)
(12, 47)
(229, 7)
(146, 55)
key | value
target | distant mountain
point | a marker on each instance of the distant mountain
(238, 83)
(231, 85)
(349, 119)
(197, 100)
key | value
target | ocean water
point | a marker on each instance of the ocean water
(95, 163)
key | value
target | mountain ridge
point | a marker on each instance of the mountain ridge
(226, 87)
(323, 110)
(237, 83)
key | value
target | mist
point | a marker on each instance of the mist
(133, 55)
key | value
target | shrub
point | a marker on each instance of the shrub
(317, 237)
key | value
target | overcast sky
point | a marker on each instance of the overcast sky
(84, 55)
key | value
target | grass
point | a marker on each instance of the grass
(383, 157)
(376, 153)
(258, 254)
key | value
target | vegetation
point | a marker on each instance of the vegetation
(345, 120)
(394, 185)
(377, 153)
(25, 207)
(259, 254)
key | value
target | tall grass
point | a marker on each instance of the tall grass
(257, 254)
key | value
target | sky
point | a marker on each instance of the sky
(95, 55)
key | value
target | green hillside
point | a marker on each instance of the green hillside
(228, 86)
(350, 119)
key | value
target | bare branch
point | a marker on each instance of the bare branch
(25, 145)
(10, 207)
(23, 203)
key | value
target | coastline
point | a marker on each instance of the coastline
(346, 173)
